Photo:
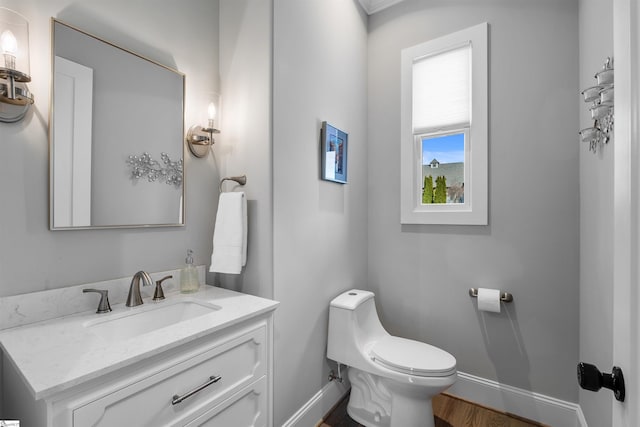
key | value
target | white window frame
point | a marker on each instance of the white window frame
(474, 210)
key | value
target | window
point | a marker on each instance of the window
(444, 130)
(443, 167)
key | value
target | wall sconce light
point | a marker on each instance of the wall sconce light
(15, 98)
(200, 139)
(601, 98)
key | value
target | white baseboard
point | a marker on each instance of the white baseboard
(534, 406)
(313, 412)
(582, 421)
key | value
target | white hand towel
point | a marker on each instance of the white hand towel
(230, 235)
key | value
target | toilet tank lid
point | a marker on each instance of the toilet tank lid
(351, 299)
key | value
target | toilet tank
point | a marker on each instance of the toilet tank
(353, 321)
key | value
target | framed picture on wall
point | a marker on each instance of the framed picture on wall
(333, 154)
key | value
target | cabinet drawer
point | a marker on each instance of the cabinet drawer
(238, 362)
(247, 408)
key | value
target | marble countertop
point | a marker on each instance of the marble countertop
(55, 355)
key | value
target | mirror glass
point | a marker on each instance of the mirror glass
(116, 136)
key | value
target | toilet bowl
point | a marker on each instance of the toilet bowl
(392, 379)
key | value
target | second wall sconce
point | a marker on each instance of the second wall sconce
(600, 97)
(200, 138)
(15, 98)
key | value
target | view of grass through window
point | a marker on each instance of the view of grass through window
(443, 169)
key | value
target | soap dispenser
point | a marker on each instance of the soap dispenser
(189, 276)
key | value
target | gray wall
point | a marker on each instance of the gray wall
(32, 258)
(320, 227)
(244, 144)
(421, 274)
(596, 213)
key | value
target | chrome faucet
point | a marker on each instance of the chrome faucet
(134, 297)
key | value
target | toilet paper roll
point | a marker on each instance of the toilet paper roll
(489, 300)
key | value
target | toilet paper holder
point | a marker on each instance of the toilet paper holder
(504, 296)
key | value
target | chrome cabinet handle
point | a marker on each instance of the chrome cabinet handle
(212, 379)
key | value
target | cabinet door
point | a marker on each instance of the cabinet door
(239, 362)
(247, 408)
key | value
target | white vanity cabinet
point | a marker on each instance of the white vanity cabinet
(231, 370)
(221, 379)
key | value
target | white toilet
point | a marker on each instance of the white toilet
(392, 379)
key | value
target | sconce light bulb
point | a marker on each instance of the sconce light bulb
(9, 46)
(8, 42)
(212, 114)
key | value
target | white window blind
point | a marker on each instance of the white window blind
(442, 90)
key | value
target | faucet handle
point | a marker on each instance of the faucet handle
(158, 295)
(103, 305)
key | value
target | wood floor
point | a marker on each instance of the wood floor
(449, 411)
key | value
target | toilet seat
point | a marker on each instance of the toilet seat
(413, 357)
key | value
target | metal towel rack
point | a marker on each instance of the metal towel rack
(504, 296)
(242, 180)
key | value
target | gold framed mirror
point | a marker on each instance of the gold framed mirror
(115, 136)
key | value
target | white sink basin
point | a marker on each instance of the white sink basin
(147, 318)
